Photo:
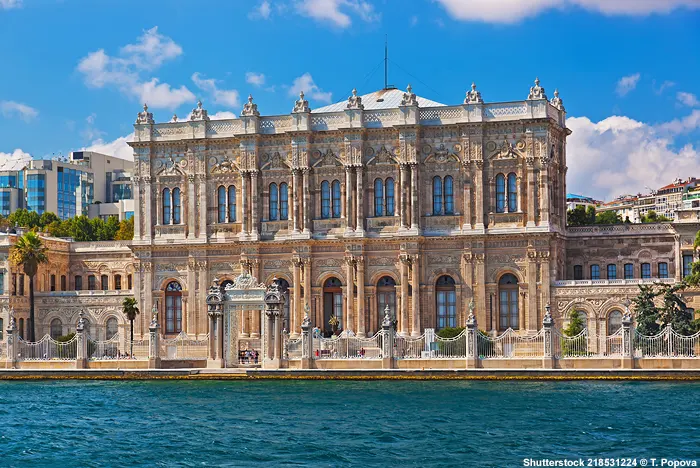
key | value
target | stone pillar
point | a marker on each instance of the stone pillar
(404, 196)
(307, 285)
(191, 220)
(627, 342)
(361, 327)
(350, 290)
(387, 341)
(255, 200)
(138, 215)
(154, 342)
(295, 306)
(296, 190)
(531, 322)
(203, 204)
(306, 342)
(244, 205)
(12, 342)
(415, 283)
(403, 318)
(479, 187)
(348, 199)
(679, 257)
(415, 208)
(308, 223)
(81, 356)
(467, 222)
(359, 204)
(148, 222)
(531, 191)
(549, 360)
(472, 345)
(397, 197)
(544, 195)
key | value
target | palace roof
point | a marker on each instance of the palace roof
(381, 99)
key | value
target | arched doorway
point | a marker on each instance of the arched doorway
(173, 307)
(614, 322)
(56, 329)
(111, 328)
(445, 303)
(284, 287)
(332, 305)
(386, 296)
(508, 316)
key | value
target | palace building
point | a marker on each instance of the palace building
(382, 200)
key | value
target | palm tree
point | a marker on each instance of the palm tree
(130, 310)
(28, 253)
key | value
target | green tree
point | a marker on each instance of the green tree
(674, 311)
(576, 324)
(130, 309)
(652, 217)
(693, 279)
(580, 216)
(81, 229)
(98, 229)
(28, 253)
(58, 229)
(646, 313)
(24, 218)
(47, 218)
(126, 230)
(111, 227)
(608, 217)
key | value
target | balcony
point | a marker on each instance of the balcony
(613, 282)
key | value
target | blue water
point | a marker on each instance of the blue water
(334, 423)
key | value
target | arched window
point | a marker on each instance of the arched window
(173, 307)
(177, 206)
(232, 204)
(78, 283)
(284, 202)
(129, 281)
(386, 296)
(117, 282)
(63, 283)
(378, 197)
(437, 195)
(325, 200)
(111, 328)
(508, 302)
(500, 193)
(56, 328)
(512, 193)
(446, 302)
(646, 270)
(273, 200)
(336, 198)
(221, 200)
(92, 284)
(595, 272)
(21, 328)
(389, 186)
(449, 196)
(104, 282)
(614, 322)
(578, 272)
(52, 283)
(583, 316)
(332, 305)
(167, 216)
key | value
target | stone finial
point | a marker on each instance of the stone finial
(473, 96)
(547, 321)
(471, 320)
(199, 113)
(556, 101)
(145, 117)
(13, 322)
(355, 101)
(306, 321)
(81, 322)
(174, 119)
(249, 108)
(409, 97)
(387, 319)
(537, 91)
(301, 105)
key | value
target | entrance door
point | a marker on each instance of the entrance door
(332, 305)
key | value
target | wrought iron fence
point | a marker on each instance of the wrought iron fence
(571, 346)
(184, 346)
(106, 350)
(137, 349)
(348, 346)
(510, 345)
(667, 343)
(48, 349)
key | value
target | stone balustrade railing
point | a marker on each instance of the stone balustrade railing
(612, 282)
(620, 229)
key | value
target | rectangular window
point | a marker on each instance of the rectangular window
(595, 272)
(63, 283)
(92, 283)
(53, 283)
(629, 271)
(21, 285)
(687, 260)
(104, 282)
(646, 270)
(338, 308)
(612, 271)
(78, 283)
(2, 283)
(663, 270)
(578, 272)
(117, 282)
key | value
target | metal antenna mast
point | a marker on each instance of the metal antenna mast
(386, 63)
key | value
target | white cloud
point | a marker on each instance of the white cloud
(23, 111)
(619, 155)
(227, 97)
(511, 11)
(256, 79)
(627, 84)
(222, 115)
(9, 4)
(91, 132)
(306, 83)
(337, 12)
(14, 161)
(263, 11)
(125, 72)
(688, 99)
(684, 125)
(665, 85)
(117, 148)
(414, 20)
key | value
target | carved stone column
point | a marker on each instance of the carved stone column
(483, 314)
(467, 222)
(415, 202)
(138, 215)
(398, 209)
(350, 293)
(307, 286)
(191, 220)
(679, 257)
(531, 322)
(308, 224)
(148, 222)
(479, 188)
(359, 205)
(544, 195)
(255, 200)
(296, 191)
(295, 306)
(202, 199)
(403, 318)
(531, 191)
(415, 283)
(404, 196)
(361, 327)
(244, 205)
(348, 199)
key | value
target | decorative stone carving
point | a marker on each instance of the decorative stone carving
(473, 96)
(301, 105)
(199, 113)
(536, 92)
(145, 117)
(355, 101)
(556, 101)
(409, 97)
(249, 108)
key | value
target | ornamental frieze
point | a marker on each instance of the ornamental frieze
(276, 264)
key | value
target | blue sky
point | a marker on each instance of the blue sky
(75, 72)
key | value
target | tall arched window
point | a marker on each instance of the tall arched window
(449, 196)
(173, 307)
(129, 281)
(446, 302)
(325, 200)
(500, 193)
(386, 296)
(284, 201)
(437, 195)
(231, 203)
(614, 322)
(389, 189)
(78, 283)
(104, 282)
(64, 283)
(91, 283)
(221, 200)
(56, 328)
(508, 302)
(273, 201)
(117, 282)
(167, 216)
(111, 328)
(336, 198)
(512, 193)
(177, 206)
(332, 304)
(378, 197)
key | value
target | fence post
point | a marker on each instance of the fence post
(285, 344)
(154, 341)
(548, 359)
(12, 342)
(472, 349)
(627, 342)
(387, 341)
(306, 340)
(81, 343)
